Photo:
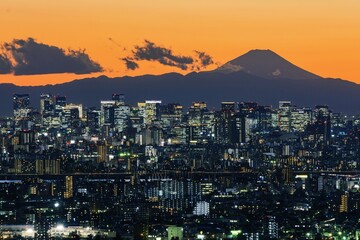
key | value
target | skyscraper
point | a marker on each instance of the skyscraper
(171, 114)
(121, 117)
(107, 113)
(69, 191)
(71, 115)
(284, 115)
(118, 98)
(227, 111)
(323, 121)
(21, 106)
(343, 208)
(93, 117)
(196, 113)
(300, 118)
(46, 108)
(60, 102)
(272, 228)
(152, 111)
(46, 105)
(238, 128)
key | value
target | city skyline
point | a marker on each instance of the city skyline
(320, 37)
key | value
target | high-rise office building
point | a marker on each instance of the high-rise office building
(115, 114)
(284, 115)
(107, 113)
(152, 111)
(102, 150)
(151, 135)
(60, 102)
(227, 112)
(202, 208)
(140, 110)
(72, 115)
(93, 117)
(69, 191)
(118, 98)
(46, 109)
(77, 107)
(271, 228)
(121, 117)
(194, 134)
(263, 116)
(300, 118)
(46, 104)
(171, 115)
(21, 106)
(344, 204)
(323, 121)
(248, 108)
(228, 107)
(238, 128)
(196, 113)
(198, 127)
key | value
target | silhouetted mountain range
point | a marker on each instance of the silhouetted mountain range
(248, 83)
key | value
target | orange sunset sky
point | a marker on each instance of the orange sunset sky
(321, 36)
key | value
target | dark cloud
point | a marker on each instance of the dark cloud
(204, 59)
(130, 64)
(5, 64)
(151, 52)
(31, 57)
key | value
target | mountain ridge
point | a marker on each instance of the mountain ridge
(210, 86)
(266, 63)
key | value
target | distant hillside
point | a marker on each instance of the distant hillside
(212, 87)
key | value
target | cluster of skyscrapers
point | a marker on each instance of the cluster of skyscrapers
(154, 123)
